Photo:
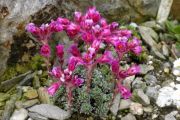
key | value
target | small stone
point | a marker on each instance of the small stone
(150, 80)
(166, 70)
(2, 104)
(50, 111)
(139, 96)
(26, 104)
(138, 84)
(145, 69)
(136, 108)
(154, 116)
(44, 97)
(169, 117)
(36, 82)
(127, 81)
(21, 114)
(152, 93)
(165, 49)
(36, 116)
(148, 109)
(124, 104)
(129, 116)
(31, 94)
(178, 79)
(151, 24)
(115, 105)
(40, 72)
(1, 112)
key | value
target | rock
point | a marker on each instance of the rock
(21, 114)
(150, 24)
(36, 116)
(36, 82)
(150, 79)
(152, 93)
(2, 104)
(176, 51)
(124, 104)
(147, 36)
(164, 10)
(127, 81)
(178, 79)
(26, 104)
(31, 94)
(115, 105)
(139, 96)
(148, 109)
(169, 95)
(129, 116)
(176, 67)
(50, 111)
(8, 84)
(165, 49)
(136, 108)
(138, 84)
(145, 68)
(44, 97)
(169, 117)
(4, 96)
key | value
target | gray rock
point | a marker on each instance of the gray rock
(127, 81)
(138, 84)
(139, 96)
(50, 111)
(136, 108)
(164, 10)
(26, 104)
(165, 49)
(124, 104)
(150, 24)
(150, 80)
(169, 117)
(147, 36)
(148, 109)
(152, 93)
(21, 114)
(129, 117)
(145, 68)
(115, 105)
(36, 116)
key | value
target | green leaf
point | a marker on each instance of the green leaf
(170, 26)
(178, 45)
(177, 29)
(177, 37)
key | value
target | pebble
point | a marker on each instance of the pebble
(26, 104)
(31, 94)
(145, 69)
(139, 96)
(136, 108)
(129, 116)
(152, 93)
(115, 106)
(44, 97)
(50, 111)
(148, 109)
(138, 83)
(36, 116)
(4, 97)
(21, 114)
(124, 104)
(150, 79)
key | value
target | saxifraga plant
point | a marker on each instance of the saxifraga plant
(95, 33)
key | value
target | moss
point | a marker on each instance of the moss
(19, 68)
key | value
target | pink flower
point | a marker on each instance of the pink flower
(74, 50)
(87, 24)
(96, 29)
(106, 32)
(72, 29)
(103, 22)
(114, 25)
(135, 69)
(125, 33)
(121, 45)
(124, 92)
(63, 21)
(60, 51)
(72, 63)
(32, 28)
(87, 37)
(45, 50)
(56, 72)
(78, 81)
(137, 50)
(135, 42)
(77, 16)
(93, 14)
(55, 26)
(53, 88)
(106, 57)
(115, 67)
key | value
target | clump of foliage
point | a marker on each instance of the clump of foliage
(173, 32)
(101, 44)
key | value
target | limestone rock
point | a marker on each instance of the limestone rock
(21, 114)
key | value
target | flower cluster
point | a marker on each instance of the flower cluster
(94, 31)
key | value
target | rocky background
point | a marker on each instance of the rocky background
(156, 92)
